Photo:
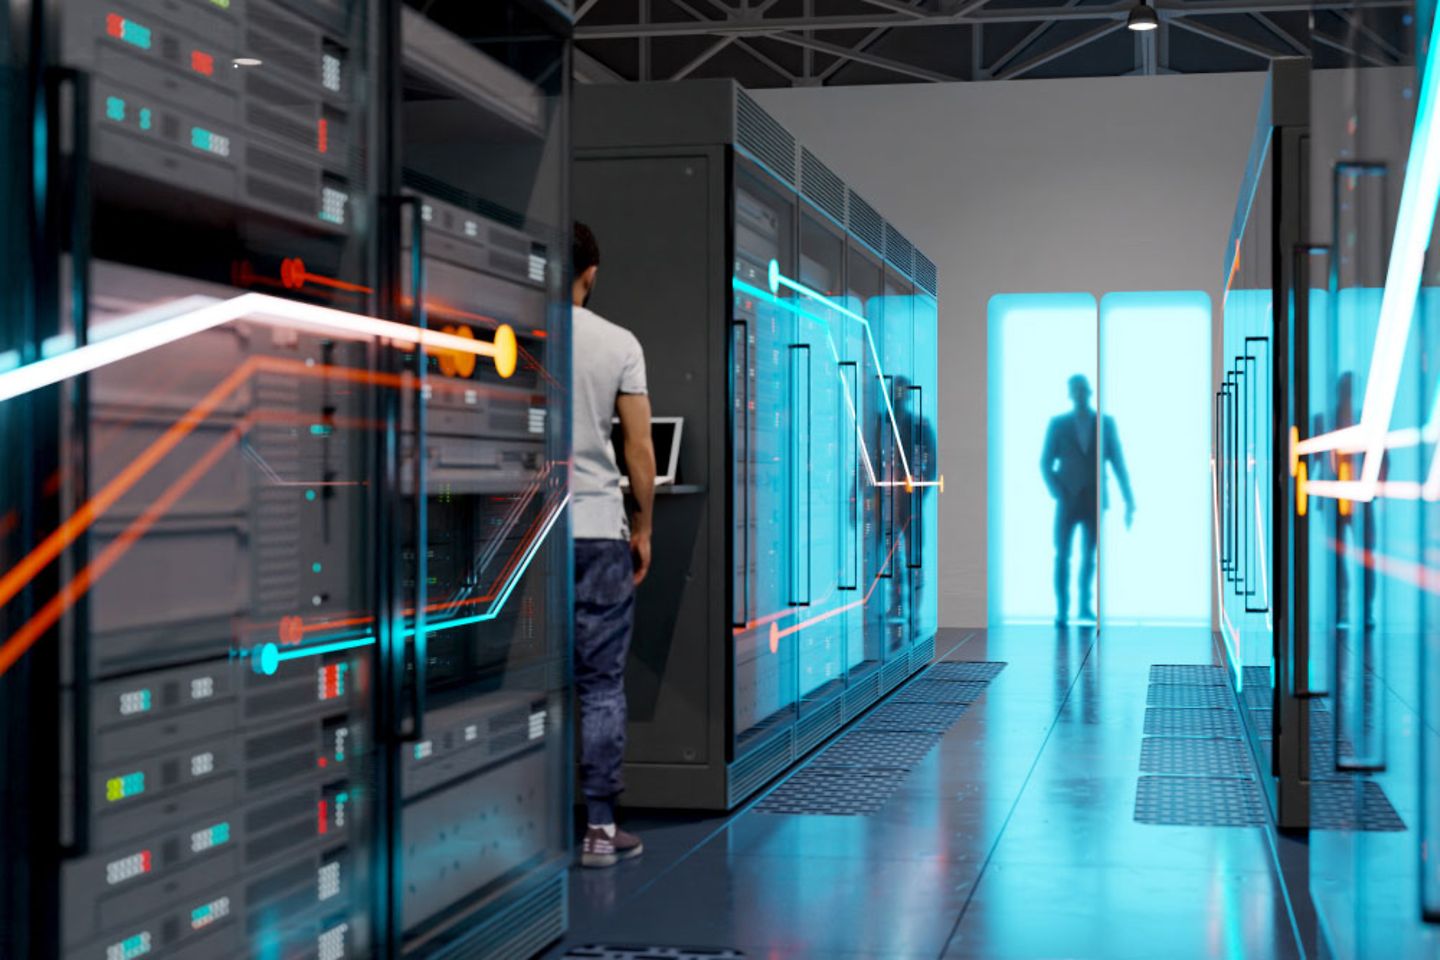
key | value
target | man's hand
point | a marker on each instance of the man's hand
(1129, 514)
(640, 555)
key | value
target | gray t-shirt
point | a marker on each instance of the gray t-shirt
(607, 362)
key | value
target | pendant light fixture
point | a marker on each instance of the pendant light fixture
(1142, 17)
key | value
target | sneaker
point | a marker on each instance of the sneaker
(605, 847)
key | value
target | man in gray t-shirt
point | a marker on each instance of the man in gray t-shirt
(612, 549)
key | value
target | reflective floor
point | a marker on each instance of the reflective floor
(1014, 837)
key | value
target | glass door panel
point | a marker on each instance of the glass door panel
(767, 433)
(1042, 365)
(864, 283)
(1155, 437)
(485, 767)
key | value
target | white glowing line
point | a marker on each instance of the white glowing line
(800, 288)
(1418, 199)
(205, 313)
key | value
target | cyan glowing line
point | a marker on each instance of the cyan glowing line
(1228, 631)
(778, 280)
(1418, 200)
(515, 577)
(203, 313)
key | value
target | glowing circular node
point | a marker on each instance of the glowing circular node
(507, 350)
(774, 638)
(269, 659)
(1302, 494)
(465, 362)
(774, 276)
(1294, 450)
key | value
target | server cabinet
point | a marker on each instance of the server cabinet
(1261, 539)
(781, 316)
(269, 472)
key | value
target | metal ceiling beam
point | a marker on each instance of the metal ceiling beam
(859, 56)
(868, 41)
(1203, 29)
(1002, 61)
(1354, 23)
(761, 58)
(1060, 50)
(589, 70)
(759, 25)
(703, 58)
(1281, 34)
(1320, 38)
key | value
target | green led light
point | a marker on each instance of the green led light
(315, 567)
(145, 119)
(320, 430)
(200, 138)
(309, 494)
(115, 109)
(222, 4)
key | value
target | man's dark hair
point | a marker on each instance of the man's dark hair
(585, 252)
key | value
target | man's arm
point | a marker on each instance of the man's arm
(639, 448)
(1047, 461)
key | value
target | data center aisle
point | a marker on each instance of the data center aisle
(1014, 837)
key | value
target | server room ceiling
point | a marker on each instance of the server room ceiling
(779, 43)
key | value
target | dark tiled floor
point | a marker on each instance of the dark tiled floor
(1014, 837)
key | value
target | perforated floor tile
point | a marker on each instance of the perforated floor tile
(1178, 722)
(940, 691)
(595, 951)
(1199, 802)
(878, 750)
(1262, 721)
(1190, 695)
(835, 791)
(1189, 757)
(974, 671)
(1352, 804)
(1257, 698)
(923, 717)
(1188, 673)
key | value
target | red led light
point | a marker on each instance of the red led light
(321, 763)
(322, 136)
(144, 861)
(202, 63)
(324, 822)
(115, 25)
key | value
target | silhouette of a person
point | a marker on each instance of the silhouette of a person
(1071, 469)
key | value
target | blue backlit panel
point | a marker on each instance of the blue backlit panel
(1037, 343)
(1154, 387)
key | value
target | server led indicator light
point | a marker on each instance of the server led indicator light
(145, 119)
(128, 868)
(202, 139)
(202, 63)
(330, 72)
(322, 135)
(135, 701)
(123, 788)
(332, 205)
(322, 817)
(129, 948)
(206, 914)
(115, 109)
(209, 838)
(127, 31)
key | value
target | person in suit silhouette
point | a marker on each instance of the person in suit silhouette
(1072, 471)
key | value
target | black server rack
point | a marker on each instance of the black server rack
(793, 330)
(286, 575)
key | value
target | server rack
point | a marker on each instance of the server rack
(794, 330)
(286, 566)
(1262, 391)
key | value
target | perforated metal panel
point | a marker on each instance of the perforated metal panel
(762, 136)
(1200, 802)
(1190, 695)
(836, 791)
(878, 750)
(921, 717)
(1189, 673)
(821, 186)
(977, 671)
(1178, 722)
(1187, 757)
(633, 952)
(939, 691)
(1352, 804)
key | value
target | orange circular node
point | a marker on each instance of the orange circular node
(464, 362)
(292, 630)
(292, 273)
(1302, 495)
(445, 357)
(774, 638)
(507, 350)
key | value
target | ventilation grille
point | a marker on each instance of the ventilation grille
(925, 272)
(821, 186)
(759, 133)
(812, 730)
(860, 695)
(894, 672)
(865, 223)
(899, 251)
(921, 654)
(520, 930)
(759, 767)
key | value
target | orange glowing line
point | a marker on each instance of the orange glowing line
(52, 546)
(776, 633)
(320, 281)
(49, 614)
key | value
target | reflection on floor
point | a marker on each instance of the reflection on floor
(1015, 836)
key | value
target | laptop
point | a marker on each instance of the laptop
(665, 434)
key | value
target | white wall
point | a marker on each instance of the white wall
(1024, 186)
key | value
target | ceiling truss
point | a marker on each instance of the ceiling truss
(791, 43)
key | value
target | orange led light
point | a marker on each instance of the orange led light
(1302, 496)
(1344, 473)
